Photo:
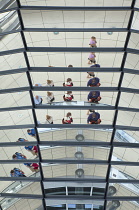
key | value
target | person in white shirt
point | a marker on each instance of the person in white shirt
(50, 97)
(49, 119)
(38, 85)
(68, 83)
(38, 100)
(50, 83)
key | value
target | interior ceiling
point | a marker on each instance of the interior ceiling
(71, 19)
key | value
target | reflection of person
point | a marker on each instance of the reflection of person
(38, 100)
(50, 83)
(31, 132)
(16, 172)
(91, 58)
(68, 83)
(92, 74)
(68, 119)
(94, 82)
(50, 97)
(89, 111)
(68, 96)
(94, 96)
(19, 156)
(94, 118)
(32, 149)
(38, 85)
(93, 42)
(49, 119)
(34, 167)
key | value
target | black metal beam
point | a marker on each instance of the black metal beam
(74, 69)
(90, 180)
(72, 8)
(31, 97)
(66, 69)
(77, 49)
(110, 162)
(75, 30)
(69, 142)
(23, 196)
(102, 89)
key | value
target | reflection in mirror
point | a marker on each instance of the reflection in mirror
(13, 61)
(129, 100)
(76, 59)
(83, 3)
(7, 4)
(124, 172)
(75, 39)
(74, 116)
(9, 21)
(15, 99)
(79, 98)
(128, 118)
(127, 136)
(70, 170)
(21, 117)
(13, 81)
(74, 153)
(15, 203)
(12, 135)
(67, 135)
(11, 41)
(75, 19)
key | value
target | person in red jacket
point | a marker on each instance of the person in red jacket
(68, 83)
(68, 96)
(68, 119)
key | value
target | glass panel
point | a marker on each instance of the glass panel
(73, 204)
(124, 172)
(74, 116)
(63, 59)
(127, 136)
(15, 99)
(11, 41)
(16, 117)
(135, 21)
(72, 170)
(137, 3)
(131, 63)
(74, 134)
(130, 205)
(125, 154)
(13, 61)
(7, 4)
(59, 78)
(129, 100)
(75, 19)
(77, 3)
(14, 170)
(124, 189)
(13, 135)
(77, 39)
(134, 41)
(128, 118)
(16, 203)
(74, 153)
(13, 81)
(9, 21)
(80, 98)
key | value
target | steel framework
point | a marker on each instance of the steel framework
(119, 89)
